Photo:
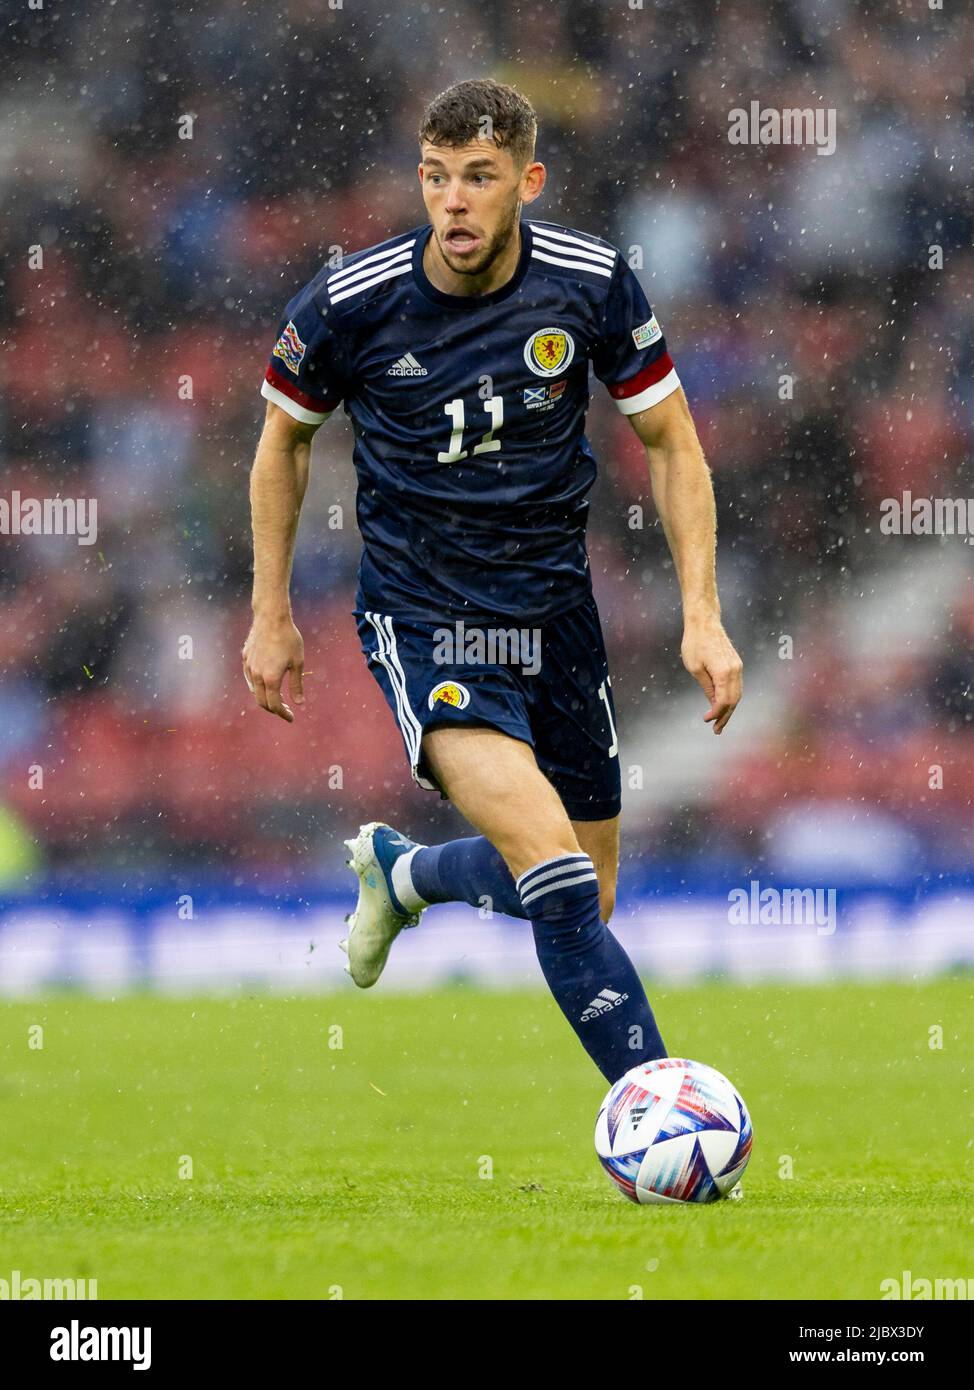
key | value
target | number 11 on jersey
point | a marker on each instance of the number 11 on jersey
(494, 406)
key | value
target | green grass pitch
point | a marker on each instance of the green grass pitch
(361, 1169)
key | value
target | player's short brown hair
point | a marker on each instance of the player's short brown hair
(482, 109)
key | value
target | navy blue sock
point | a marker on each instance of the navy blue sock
(593, 980)
(466, 871)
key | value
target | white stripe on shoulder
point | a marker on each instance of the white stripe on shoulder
(537, 255)
(585, 253)
(367, 263)
(393, 270)
(607, 253)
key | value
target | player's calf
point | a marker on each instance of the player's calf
(594, 982)
(497, 784)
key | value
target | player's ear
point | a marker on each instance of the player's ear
(532, 181)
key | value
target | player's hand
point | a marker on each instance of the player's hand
(709, 656)
(274, 647)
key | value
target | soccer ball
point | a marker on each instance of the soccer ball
(673, 1131)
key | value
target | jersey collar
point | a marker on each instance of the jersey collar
(466, 301)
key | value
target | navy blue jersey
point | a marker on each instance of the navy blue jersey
(469, 415)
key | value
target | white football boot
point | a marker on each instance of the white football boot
(379, 916)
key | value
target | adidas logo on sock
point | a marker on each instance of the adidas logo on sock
(604, 1001)
(407, 366)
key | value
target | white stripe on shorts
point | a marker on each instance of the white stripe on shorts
(389, 658)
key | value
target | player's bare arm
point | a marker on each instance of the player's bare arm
(278, 482)
(684, 497)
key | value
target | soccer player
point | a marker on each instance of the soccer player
(461, 352)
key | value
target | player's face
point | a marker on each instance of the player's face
(473, 195)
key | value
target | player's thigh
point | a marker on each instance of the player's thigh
(599, 839)
(495, 782)
(574, 731)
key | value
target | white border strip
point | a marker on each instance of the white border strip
(298, 412)
(630, 405)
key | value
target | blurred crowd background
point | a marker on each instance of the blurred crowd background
(165, 258)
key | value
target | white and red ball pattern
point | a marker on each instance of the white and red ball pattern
(673, 1131)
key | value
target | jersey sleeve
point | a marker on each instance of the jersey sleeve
(305, 374)
(630, 355)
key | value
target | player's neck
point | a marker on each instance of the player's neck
(495, 277)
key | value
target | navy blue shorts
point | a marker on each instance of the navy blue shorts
(547, 685)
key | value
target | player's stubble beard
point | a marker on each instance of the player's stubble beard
(495, 247)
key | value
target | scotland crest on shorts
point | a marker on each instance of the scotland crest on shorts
(290, 349)
(449, 693)
(549, 351)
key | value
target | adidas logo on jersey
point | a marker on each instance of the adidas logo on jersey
(407, 366)
(604, 1001)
